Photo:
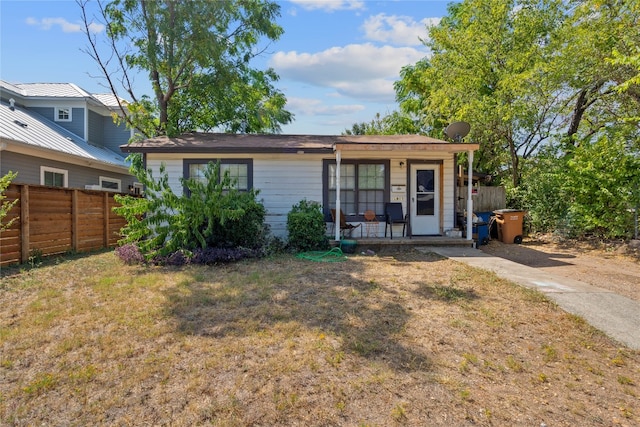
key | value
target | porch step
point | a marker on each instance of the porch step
(369, 242)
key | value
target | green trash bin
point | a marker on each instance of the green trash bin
(509, 225)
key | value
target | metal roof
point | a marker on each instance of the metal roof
(196, 142)
(52, 90)
(108, 100)
(21, 126)
(68, 91)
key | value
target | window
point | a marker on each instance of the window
(54, 177)
(110, 184)
(136, 189)
(63, 114)
(240, 171)
(364, 185)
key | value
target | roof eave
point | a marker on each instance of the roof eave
(223, 150)
(411, 146)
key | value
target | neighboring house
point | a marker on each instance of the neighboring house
(57, 134)
(417, 171)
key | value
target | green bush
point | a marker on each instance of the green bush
(212, 213)
(5, 206)
(306, 227)
(589, 190)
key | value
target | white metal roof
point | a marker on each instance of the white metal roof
(48, 90)
(108, 100)
(67, 91)
(21, 126)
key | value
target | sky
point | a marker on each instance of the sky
(337, 60)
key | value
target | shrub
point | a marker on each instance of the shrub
(210, 256)
(5, 206)
(306, 227)
(211, 213)
(130, 254)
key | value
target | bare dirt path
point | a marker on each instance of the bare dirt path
(608, 266)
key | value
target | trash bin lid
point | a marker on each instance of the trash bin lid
(503, 211)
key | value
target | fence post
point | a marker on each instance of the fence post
(24, 223)
(74, 220)
(105, 224)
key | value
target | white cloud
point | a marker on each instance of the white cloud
(362, 71)
(399, 30)
(65, 26)
(330, 5)
(315, 107)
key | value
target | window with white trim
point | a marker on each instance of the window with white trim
(63, 114)
(54, 177)
(110, 184)
(364, 185)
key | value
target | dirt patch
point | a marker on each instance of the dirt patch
(614, 266)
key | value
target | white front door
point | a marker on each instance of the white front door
(425, 199)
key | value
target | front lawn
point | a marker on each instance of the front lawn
(391, 339)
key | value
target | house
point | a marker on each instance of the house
(57, 134)
(417, 171)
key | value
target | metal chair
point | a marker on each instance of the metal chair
(394, 215)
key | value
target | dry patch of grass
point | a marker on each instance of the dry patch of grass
(392, 339)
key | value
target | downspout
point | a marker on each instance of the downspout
(469, 198)
(336, 225)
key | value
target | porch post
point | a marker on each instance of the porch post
(336, 225)
(469, 198)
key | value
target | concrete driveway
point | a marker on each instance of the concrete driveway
(615, 315)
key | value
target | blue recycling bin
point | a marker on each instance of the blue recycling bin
(480, 229)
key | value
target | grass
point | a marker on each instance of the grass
(392, 339)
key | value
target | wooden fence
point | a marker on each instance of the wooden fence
(57, 220)
(486, 199)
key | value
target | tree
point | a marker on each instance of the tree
(595, 32)
(486, 69)
(197, 55)
(395, 123)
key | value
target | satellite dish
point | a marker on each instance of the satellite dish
(457, 130)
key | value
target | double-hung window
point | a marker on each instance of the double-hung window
(240, 171)
(364, 185)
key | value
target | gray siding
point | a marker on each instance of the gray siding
(28, 169)
(114, 136)
(105, 133)
(77, 115)
(96, 128)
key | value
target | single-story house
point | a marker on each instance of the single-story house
(417, 171)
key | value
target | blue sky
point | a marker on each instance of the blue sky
(337, 60)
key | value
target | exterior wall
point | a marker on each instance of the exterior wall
(105, 133)
(77, 116)
(96, 129)
(113, 136)
(285, 179)
(28, 168)
(282, 182)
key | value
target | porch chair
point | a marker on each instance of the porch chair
(345, 227)
(394, 215)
